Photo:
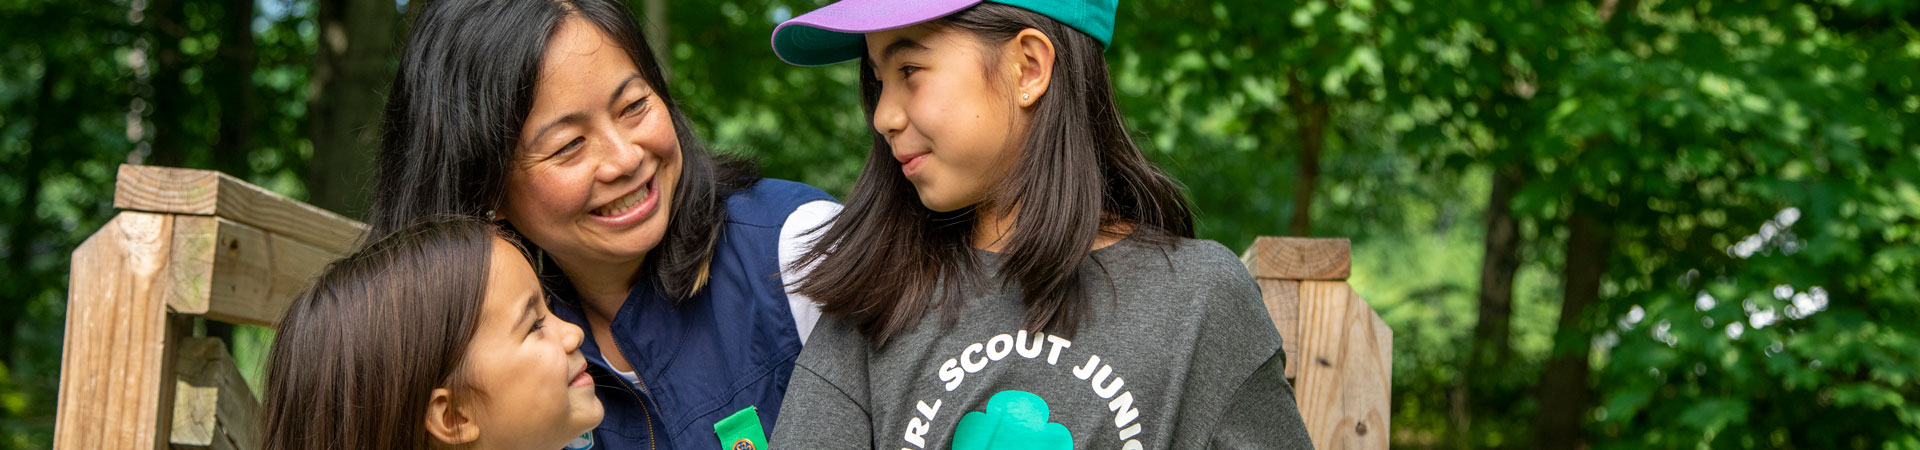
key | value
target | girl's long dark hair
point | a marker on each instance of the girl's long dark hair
(358, 354)
(462, 93)
(882, 262)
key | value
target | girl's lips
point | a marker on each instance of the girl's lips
(911, 166)
(636, 214)
(581, 379)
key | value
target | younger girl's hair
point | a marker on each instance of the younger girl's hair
(883, 260)
(358, 354)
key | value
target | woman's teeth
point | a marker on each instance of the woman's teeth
(624, 204)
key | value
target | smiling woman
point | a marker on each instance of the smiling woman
(599, 151)
(553, 117)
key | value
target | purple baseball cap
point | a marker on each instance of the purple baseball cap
(832, 33)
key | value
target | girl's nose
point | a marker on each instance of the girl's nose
(889, 117)
(571, 336)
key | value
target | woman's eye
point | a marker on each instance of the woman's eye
(575, 143)
(633, 108)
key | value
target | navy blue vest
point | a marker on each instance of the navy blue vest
(730, 346)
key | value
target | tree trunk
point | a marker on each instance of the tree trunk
(168, 111)
(657, 28)
(1492, 331)
(231, 80)
(1563, 387)
(356, 47)
(1312, 113)
(19, 289)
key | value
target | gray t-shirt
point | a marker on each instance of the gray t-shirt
(1183, 357)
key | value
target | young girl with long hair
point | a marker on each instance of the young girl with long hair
(435, 336)
(1010, 271)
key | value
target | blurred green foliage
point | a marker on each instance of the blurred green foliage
(1755, 161)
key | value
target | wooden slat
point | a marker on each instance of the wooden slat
(1283, 306)
(203, 192)
(243, 268)
(294, 266)
(212, 407)
(253, 275)
(1344, 387)
(1288, 258)
(114, 359)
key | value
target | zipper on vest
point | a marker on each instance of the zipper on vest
(644, 413)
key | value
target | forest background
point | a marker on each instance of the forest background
(1602, 223)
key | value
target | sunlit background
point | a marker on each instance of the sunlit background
(1599, 223)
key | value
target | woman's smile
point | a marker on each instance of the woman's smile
(629, 209)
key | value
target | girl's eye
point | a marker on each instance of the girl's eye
(907, 71)
(538, 324)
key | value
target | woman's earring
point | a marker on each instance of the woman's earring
(1023, 97)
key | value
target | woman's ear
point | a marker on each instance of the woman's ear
(448, 423)
(1032, 55)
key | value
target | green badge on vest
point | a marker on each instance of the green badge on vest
(741, 431)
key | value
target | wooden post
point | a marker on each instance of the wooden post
(113, 371)
(213, 409)
(1339, 353)
(192, 243)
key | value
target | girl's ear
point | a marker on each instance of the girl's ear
(447, 423)
(1032, 55)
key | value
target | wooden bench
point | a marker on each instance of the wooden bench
(187, 243)
(195, 243)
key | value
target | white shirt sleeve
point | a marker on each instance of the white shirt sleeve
(795, 241)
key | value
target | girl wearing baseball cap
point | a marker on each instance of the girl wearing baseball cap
(1009, 270)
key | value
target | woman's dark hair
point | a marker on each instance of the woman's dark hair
(462, 93)
(1078, 175)
(358, 354)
